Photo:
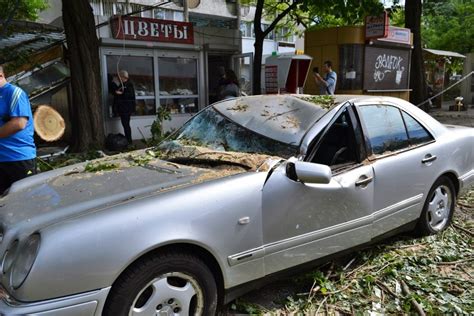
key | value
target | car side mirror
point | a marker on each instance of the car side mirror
(308, 172)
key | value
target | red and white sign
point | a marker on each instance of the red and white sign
(376, 26)
(398, 35)
(146, 29)
(271, 79)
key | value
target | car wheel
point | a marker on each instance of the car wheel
(165, 284)
(439, 207)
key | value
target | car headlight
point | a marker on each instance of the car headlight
(24, 260)
(9, 257)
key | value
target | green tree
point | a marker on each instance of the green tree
(448, 25)
(19, 10)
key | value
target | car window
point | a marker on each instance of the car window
(385, 128)
(338, 145)
(212, 130)
(416, 132)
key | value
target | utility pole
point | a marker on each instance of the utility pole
(185, 10)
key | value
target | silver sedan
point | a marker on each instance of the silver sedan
(248, 189)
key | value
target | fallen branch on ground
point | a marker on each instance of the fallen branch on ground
(416, 305)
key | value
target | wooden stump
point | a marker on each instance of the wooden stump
(49, 124)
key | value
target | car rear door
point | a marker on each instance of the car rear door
(303, 222)
(404, 158)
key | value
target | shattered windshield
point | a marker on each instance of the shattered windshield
(212, 130)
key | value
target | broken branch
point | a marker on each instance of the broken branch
(416, 305)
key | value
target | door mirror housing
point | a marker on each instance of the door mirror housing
(308, 172)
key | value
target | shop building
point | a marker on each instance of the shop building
(364, 64)
(172, 64)
(178, 68)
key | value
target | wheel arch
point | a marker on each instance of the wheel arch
(454, 179)
(187, 248)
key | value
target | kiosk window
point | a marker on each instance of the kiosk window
(178, 84)
(140, 72)
(351, 59)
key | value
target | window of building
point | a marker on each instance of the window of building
(270, 36)
(416, 132)
(121, 8)
(96, 7)
(385, 128)
(178, 84)
(140, 71)
(165, 14)
(247, 29)
(351, 60)
(285, 35)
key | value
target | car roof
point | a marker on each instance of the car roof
(285, 118)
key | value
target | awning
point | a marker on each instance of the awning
(443, 53)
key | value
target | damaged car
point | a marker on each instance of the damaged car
(247, 189)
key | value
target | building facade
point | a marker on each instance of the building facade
(172, 63)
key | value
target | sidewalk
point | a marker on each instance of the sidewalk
(464, 118)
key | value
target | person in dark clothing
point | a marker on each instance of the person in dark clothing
(124, 101)
(231, 88)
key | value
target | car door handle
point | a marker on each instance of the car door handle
(429, 158)
(364, 181)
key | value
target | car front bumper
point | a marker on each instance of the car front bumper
(84, 304)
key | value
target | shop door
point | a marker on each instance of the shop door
(243, 67)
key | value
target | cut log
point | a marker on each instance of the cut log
(49, 124)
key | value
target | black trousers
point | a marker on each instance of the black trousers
(12, 171)
(125, 118)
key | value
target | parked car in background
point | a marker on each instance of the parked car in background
(247, 189)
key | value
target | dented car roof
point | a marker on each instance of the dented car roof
(285, 118)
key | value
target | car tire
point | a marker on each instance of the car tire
(174, 282)
(438, 209)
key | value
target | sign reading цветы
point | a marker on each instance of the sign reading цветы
(146, 29)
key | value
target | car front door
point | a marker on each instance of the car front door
(303, 222)
(403, 155)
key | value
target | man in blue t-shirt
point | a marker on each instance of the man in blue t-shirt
(17, 147)
(327, 85)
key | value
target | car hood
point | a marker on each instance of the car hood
(64, 193)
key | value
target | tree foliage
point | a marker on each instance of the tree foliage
(448, 25)
(19, 10)
(341, 13)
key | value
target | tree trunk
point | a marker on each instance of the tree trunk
(419, 94)
(258, 45)
(83, 53)
(257, 65)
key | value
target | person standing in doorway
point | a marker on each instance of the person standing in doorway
(124, 101)
(17, 147)
(231, 88)
(327, 85)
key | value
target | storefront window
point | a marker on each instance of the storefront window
(140, 71)
(351, 60)
(178, 84)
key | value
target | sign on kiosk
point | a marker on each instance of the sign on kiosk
(376, 26)
(146, 29)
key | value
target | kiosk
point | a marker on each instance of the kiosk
(286, 73)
